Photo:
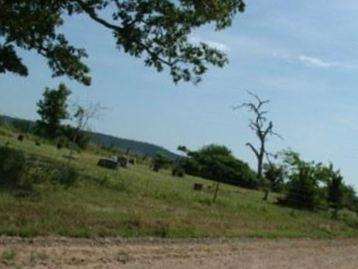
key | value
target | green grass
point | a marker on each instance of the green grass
(137, 202)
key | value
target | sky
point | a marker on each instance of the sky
(301, 55)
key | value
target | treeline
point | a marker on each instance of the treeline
(302, 184)
(310, 185)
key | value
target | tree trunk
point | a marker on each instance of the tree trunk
(260, 159)
(73, 142)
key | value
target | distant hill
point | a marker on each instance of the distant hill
(138, 147)
(141, 148)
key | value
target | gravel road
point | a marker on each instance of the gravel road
(135, 254)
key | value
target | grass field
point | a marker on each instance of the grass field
(137, 202)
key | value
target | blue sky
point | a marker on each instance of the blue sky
(302, 55)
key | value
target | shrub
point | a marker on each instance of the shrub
(61, 142)
(14, 172)
(66, 175)
(303, 186)
(159, 162)
(350, 199)
(275, 174)
(217, 163)
(20, 137)
(178, 171)
(335, 193)
(12, 167)
(80, 138)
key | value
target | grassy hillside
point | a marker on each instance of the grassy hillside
(137, 202)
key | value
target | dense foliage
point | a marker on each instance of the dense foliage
(303, 189)
(21, 174)
(335, 192)
(82, 139)
(12, 168)
(156, 30)
(159, 162)
(275, 175)
(53, 110)
(315, 186)
(218, 163)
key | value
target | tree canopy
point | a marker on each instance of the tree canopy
(53, 109)
(217, 163)
(156, 30)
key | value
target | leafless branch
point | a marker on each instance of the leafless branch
(260, 126)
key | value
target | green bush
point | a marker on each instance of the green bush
(159, 162)
(12, 167)
(20, 174)
(304, 183)
(14, 172)
(217, 163)
(42, 171)
(66, 175)
(178, 171)
(62, 142)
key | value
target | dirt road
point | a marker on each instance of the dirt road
(116, 253)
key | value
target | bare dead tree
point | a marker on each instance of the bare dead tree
(82, 115)
(263, 129)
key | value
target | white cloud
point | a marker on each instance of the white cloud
(316, 62)
(214, 44)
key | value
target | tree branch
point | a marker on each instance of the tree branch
(253, 149)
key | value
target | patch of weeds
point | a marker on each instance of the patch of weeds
(38, 257)
(133, 224)
(8, 257)
(204, 200)
(161, 229)
(186, 232)
(13, 168)
(66, 175)
(132, 227)
(293, 214)
(167, 195)
(120, 185)
(123, 257)
(350, 220)
(102, 181)
(264, 209)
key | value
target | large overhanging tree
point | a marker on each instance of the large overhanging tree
(156, 30)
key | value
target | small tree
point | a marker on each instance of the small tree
(81, 118)
(335, 193)
(53, 109)
(2, 121)
(275, 174)
(263, 130)
(303, 186)
(216, 162)
(350, 198)
(160, 161)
